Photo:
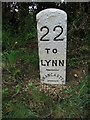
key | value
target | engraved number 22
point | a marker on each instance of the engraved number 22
(56, 38)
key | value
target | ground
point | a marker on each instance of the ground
(23, 94)
(21, 85)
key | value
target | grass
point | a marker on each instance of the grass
(18, 110)
(22, 97)
(10, 58)
(72, 103)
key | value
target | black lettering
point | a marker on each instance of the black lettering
(61, 31)
(42, 63)
(61, 63)
(61, 78)
(48, 62)
(52, 80)
(51, 74)
(43, 78)
(43, 37)
(48, 75)
(47, 49)
(54, 62)
(57, 75)
(54, 75)
(54, 51)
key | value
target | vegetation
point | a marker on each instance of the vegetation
(23, 95)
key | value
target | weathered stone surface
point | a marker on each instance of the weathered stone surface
(52, 42)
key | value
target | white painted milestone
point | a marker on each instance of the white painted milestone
(52, 43)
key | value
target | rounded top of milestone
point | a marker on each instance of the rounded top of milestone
(48, 11)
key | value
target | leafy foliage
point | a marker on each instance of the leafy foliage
(20, 64)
